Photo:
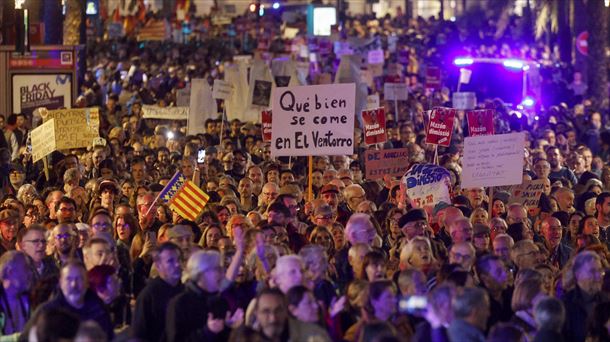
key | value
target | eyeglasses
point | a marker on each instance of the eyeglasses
(66, 209)
(101, 225)
(37, 241)
(64, 236)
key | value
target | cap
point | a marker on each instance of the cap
(8, 215)
(179, 231)
(109, 184)
(329, 188)
(440, 206)
(411, 216)
(323, 210)
(16, 167)
(502, 196)
(480, 229)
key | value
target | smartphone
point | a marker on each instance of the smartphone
(201, 156)
(413, 304)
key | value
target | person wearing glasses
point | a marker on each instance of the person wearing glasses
(64, 248)
(65, 210)
(33, 243)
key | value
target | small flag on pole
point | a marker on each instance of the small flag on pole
(184, 197)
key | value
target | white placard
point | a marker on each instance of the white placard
(464, 101)
(165, 113)
(372, 101)
(376, 57)
(183, 97)
(201, 107)
(313, 120)
(493, 160)
(396, 91)
(221, 90)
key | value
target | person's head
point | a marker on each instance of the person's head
(302, 304)
(525, 254)
(502, 245)
(550, 314)
(492, 272)
(138, 170)
(554, 157)
(481, 237)
(288, 272)
(527, 294)
(167, 261)
(270, 192)
(101, 222)
(330, 195)
(315, 261)
(125, 227)
(320, 235)
(271, 312)
(355, 258)
(565, 199)
(65, 210)
(73, 283)
(278, 213)
(475, 196)
(103, 279)
(9, 224)
(589, 226)
(479, 216)
(588, 272)
(461, 230)
(602, 205)
(382, 299)
(417, 254)
(374, 266)
(414, 223)
(96, 252)
(204, 269)
(359, 229)
(552, 231)
(462, 253)
(15, 273)
(412, 282)
(181, 235)
(354, 195)
(33, 243)
(64, 237)
(472, 305)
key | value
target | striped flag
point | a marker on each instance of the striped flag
(184, 197)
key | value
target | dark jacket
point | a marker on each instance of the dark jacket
(546, 335)
(561, 256)
(151, 305)
(461, 331)
(425, 333)
(187, 314)
(577, 308)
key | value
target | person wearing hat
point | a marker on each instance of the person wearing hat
(16, 177)
(330, 194)
(9, 225)
(481, 238)
(181, 235)
(415, 223)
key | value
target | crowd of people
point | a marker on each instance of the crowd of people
(89, 253)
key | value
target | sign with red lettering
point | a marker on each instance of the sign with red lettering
(374, 126)
(480, 122)
(440, 126)
(266, 120)
(433, 78)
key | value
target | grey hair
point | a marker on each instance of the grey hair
(8, 260)
(200, 261)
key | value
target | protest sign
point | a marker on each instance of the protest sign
(493, 160)
(440, 126)
(74, 128)
(464, 101)
(374, 126)
(395, 69)
(165, 113)
(381, 163)
(375, 57)
(261, 93)
(433, 78)
(427, 184)
(480, 122)
(313, 120)
(372, 101)
(465, 75)
(43, 140)
(31, 91)
(183, 97)
(528, 193)
(201, 106)
(221, 90)
(395, 91)
(266, 119)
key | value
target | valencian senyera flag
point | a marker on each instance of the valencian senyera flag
(184, 197)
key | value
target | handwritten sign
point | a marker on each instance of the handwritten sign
(395, 91)
(166, 113)
(313, 120)
(266, 119)
(374, 126)
(528, 193)
(221, 90)
(440, 126)
(375, 56)
(480, 122)
(464, 101)
(380, 163)
(493, 160)
(372, 101)
(43, 140)
(427, 184)
(74, 128)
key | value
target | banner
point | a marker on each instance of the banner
(30, 91)
(528, 193)
(381, 163)
(493, 160)
(374, 126)
(464, 101)
(440, 126)
(480, 122)
(427, 184)
(201, 106)
(43, 140)
(395, 91)
(166, 113)
(221, 90)
(266, 119)
(74, 128)
(313, 120)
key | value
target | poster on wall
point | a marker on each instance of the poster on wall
(30, 91)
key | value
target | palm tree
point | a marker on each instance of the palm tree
(597, 44)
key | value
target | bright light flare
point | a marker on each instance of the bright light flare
(528, 102)
(276, 5)
(461, 61)
(252, 7)
(513, 64)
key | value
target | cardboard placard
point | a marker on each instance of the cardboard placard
(528, 193)
(43, 140)
(266, 119)
(376, 57)
(427, 184)
(74, 128)
(372, 101)
(464, 101)
(165, 113)
(440, 126)
(183, 97)
(480, 122)
(465, 75)
(395, 91)
(313, 120)
(380, 163)
(493, 160)
(374, 126)
(201, 106)
(221, 90)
